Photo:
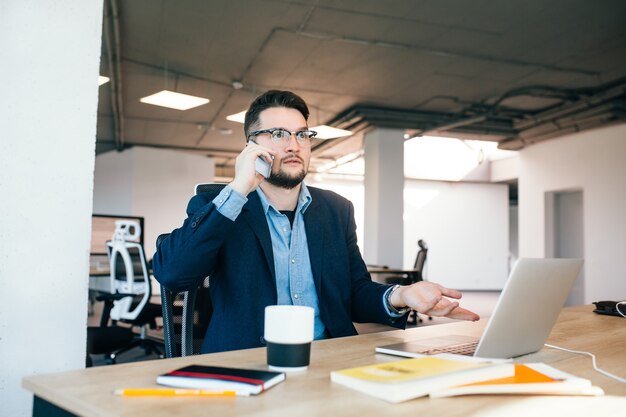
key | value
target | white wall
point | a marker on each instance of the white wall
(513, 236)
(594, 162)
(50, 61)
(466, 226)
(154, 183)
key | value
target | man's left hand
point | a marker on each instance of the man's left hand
(432, 299)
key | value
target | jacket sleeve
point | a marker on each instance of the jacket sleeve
(189, 253)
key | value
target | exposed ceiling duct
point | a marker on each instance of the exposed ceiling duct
(576, 110)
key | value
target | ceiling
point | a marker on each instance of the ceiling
(515, 72)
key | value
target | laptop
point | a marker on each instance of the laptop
(523, 317)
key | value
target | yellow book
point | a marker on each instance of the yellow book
(529, 379)
(411, 378)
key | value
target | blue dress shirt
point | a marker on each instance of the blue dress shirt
(294, 277)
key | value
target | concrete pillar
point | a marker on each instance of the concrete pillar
(384, 205)
(50, 54)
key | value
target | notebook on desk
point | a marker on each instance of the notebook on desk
(522, 319)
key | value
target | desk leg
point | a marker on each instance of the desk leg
(43, 408)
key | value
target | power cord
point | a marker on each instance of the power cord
(621, 303)
(593, 358)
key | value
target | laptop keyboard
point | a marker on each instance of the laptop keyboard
(460, 349)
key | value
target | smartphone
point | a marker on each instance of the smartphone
(263, 167)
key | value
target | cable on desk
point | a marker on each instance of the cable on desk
(593, 362)
(621, 303)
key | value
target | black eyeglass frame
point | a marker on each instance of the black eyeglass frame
(253, 135)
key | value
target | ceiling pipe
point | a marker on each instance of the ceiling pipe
(564, 126)
(513, 131)
(450, 126)
(568, 109)
(115, 72)
(113, 75)
(118, 70)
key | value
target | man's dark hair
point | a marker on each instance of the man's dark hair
(273, 98)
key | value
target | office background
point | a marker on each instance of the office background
(47, 158)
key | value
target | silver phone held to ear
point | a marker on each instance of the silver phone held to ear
(263, 167)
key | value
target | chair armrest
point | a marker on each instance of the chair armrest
(167, 301)
(169, 331)
(187, 328)
(377, 266)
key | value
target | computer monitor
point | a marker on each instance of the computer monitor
(102, 228)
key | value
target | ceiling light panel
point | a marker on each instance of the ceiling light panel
(237, 117)
(328, 132)
(174, 100)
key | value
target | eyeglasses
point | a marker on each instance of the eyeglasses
(282, 136)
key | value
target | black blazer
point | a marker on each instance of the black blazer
(239, 260)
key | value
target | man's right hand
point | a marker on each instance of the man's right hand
(246, 178)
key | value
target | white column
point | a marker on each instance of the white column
(384, 186)
(50, 53)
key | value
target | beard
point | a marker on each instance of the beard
(284, 180)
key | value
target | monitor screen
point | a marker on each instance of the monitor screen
(102, 229)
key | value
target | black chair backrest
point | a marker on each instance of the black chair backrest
(211, 186)
(420, 260)
(138, 266)
(180, 315)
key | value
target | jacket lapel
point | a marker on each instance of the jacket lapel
(253, 214)
(315, 233)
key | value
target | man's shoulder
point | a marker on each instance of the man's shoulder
(327, 196)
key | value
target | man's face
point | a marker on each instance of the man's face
(291, 162)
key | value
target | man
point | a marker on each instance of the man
(277, 241)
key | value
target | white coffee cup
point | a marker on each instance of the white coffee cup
(288, 335)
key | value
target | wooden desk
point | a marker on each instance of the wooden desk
(379, 274)
(89, 392)
(394, 271)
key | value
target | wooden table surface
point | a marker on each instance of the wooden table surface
(88, 392)
(384, 270)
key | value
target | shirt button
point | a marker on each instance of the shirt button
(193, 224)
(284, 229)
(221, 200)
(295, 296)
(293, 261)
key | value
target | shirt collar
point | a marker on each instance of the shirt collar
(304, 199)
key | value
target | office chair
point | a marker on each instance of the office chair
(414, 276)
(105, 341)
(186, 314)
(131, 288)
